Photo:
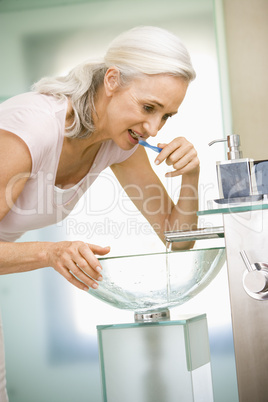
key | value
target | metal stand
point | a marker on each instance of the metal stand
(246, 241)
(247, 232)
(152, 316)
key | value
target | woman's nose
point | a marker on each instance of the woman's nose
(152, 126)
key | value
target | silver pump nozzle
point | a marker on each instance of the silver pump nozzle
(233, 142)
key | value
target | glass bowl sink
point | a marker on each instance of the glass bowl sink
(149, 282)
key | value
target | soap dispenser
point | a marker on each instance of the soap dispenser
(235, 175)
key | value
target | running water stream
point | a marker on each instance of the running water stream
(168, 250)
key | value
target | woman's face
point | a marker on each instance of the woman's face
(142, 108)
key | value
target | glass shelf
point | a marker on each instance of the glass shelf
(228, 209)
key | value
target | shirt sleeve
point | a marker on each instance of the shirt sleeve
(36, 127)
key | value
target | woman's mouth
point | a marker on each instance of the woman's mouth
(134, 135)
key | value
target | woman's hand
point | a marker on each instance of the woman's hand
(180, 154)
(76, 261)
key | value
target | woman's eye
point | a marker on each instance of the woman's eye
(166, 116)
(148, 108)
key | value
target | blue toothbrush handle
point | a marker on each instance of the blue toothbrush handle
(145, 144)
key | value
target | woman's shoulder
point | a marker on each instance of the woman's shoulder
(35, 102)
(35, 119)
(32, 111)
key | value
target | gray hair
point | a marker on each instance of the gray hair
(141, 50)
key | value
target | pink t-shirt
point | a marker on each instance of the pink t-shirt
(39, 120)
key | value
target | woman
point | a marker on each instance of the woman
(56, 140)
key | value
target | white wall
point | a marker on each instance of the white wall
(246, 27)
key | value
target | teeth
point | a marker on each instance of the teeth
(134, 135)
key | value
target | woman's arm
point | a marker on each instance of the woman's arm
(149, 195)
(70, 259)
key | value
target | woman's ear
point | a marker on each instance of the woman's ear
(111, 80)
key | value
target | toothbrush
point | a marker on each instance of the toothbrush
(145, 144)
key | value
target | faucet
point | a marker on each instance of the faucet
(197, 234)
